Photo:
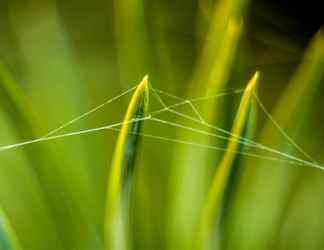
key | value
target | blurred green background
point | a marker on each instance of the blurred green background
(61, 58)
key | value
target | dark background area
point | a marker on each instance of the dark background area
(304, 17)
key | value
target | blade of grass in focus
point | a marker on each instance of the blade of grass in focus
(8, 238)
(122, 168)
(238, 169)
(290, 113)
(301, 89)
(215, 195)
(297, 99)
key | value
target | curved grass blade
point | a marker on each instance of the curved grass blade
(8, 239)
(129, 20)
(210, 76)
(299, 92)
(297, 98)
(281, 182)
(291, 113)
(23, 119)
(16, 106)
(215, 195)
(122, 166)
(236, 174)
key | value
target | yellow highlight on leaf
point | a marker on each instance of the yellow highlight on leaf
(125, 153)
(220, 180)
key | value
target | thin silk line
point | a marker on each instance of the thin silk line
(113, 127)
(245, 139)
(49, 135)
(158, 97)
(169, 108)
(88, 112)
(196, 111)
(249, 142)
(54, 137)
(290, 157)
(206, 97)
(280, 129)
(242, 138)
(168, 139)
(185, 101)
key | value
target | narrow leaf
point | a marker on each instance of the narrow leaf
(216, 192)
(210, 76)
(237, 171)
(291, 114)
(124, 159)
(16, 106)
(129, 19)
(23, 119)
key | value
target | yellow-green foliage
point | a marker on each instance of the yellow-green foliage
(211, 176)
(123, 162)
(220, 180)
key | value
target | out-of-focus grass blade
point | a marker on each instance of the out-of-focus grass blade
(215, 63)
(216, 60)
(13, 101)
(70, 180)
(211, 75)
(131, 38)
(301, 88)
(8, 238)
(25, 123)
(123, 163)
(296, 99)
(216, 191)
(279, 180)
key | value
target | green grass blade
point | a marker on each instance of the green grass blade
(222, 38)
(129, 25)
(26, 125)
(278, 180)
(210, 76)
(70, 180)
(124, 159)
(299, 91)
(8, 238)
(16, 105)
(216, 191)
(237, 171)
(215, 63)
(297, 98)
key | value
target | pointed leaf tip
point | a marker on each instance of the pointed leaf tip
(123, 164)
(220, 180)
(253, 82)
(145, 82)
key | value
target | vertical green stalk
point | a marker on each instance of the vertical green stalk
(26, 125)
(216, 191)
(210, 76)
(131, 38)
(122, 168)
